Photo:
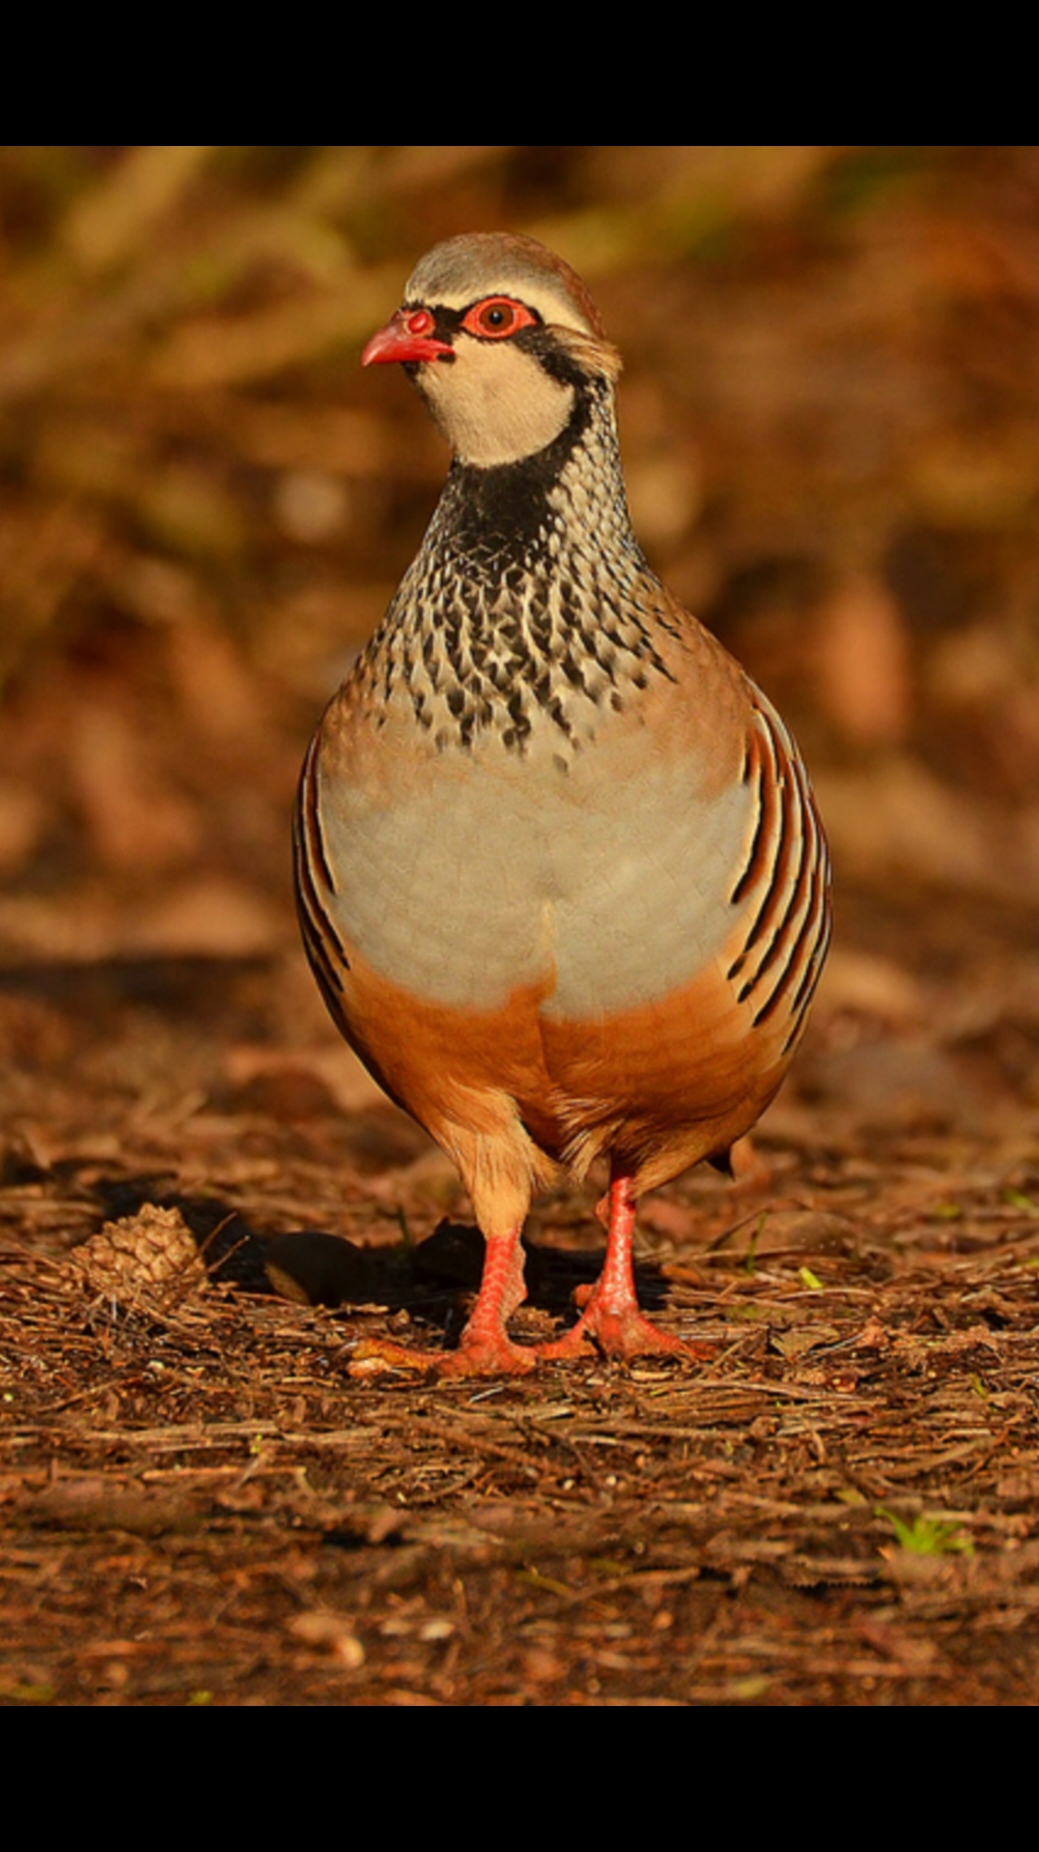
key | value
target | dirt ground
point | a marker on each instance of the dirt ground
(828, 418)
(201, 1505)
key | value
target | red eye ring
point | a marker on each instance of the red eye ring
(496, 317)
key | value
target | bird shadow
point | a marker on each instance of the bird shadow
(434, 1280)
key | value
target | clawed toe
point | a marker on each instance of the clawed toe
(626, 1333)
(483, 1356)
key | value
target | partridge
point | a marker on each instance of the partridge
(560, 875)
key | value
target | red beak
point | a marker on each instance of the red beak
(399, 341)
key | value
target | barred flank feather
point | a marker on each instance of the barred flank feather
(786, 881)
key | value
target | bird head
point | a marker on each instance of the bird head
(502, 339)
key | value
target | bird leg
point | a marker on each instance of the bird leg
(484, 1348)
(611, 1313)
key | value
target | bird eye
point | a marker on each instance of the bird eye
(496, 317)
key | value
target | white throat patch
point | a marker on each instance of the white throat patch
(493, 402)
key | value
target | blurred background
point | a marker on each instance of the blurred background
(828, 416)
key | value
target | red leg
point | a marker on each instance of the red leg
(611, 1314)
(484, 1348)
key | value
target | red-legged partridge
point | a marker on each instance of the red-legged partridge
(561, 878)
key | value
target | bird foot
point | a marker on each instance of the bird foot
(620, 1331)
(483, 1354)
